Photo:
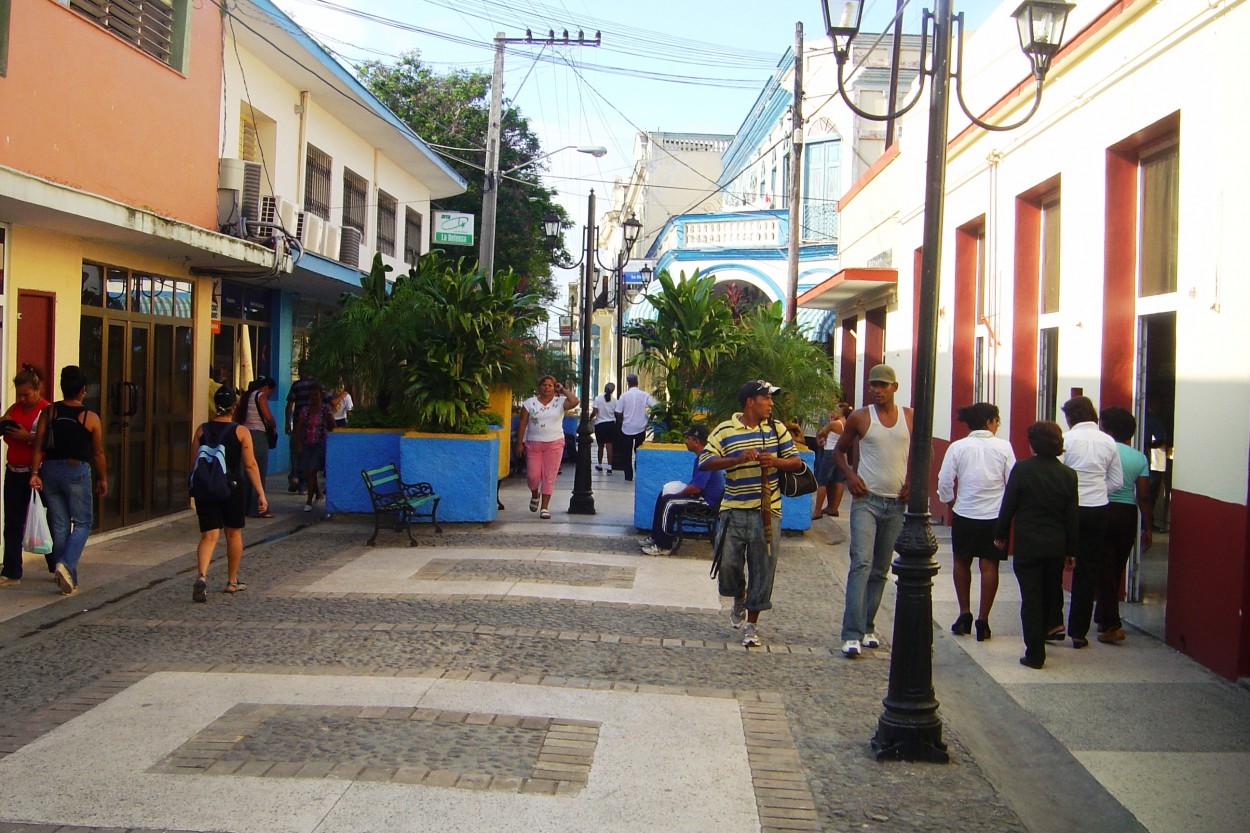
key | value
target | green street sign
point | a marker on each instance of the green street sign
(453, 228)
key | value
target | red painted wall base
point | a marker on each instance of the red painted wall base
(1208, 581)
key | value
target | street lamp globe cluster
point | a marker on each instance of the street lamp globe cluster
(909, 727)
(583, 499)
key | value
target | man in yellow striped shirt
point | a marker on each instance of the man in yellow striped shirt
(750, 447)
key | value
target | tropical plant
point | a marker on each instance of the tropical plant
(692, 333)
(769, 348)
(432, 346)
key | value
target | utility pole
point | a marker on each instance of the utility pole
(796, 178)
(494, 130)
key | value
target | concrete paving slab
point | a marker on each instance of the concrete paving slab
(663, 762)
(657, 581)
(1173, 791)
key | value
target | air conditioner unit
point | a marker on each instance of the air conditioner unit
(277, 212)
(229, 197)
(349, 247)
(251, 191)
(331, 242)
(312, 229)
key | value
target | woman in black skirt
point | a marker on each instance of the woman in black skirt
(972, 479)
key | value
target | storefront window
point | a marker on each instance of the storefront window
(115, 288)
(92, 285)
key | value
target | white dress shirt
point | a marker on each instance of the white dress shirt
(605, 409)
(632, 406)
(980, 462)
(1093, 454)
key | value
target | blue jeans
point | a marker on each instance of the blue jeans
(67, 494)
(876, 522)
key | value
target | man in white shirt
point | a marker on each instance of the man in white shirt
(631, 419)
(1097, 463)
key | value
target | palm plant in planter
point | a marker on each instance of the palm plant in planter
(692, 333)
(769, 348)
(429, 349)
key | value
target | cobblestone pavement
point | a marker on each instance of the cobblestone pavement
(807, 714)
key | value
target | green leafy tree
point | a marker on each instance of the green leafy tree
(453, 110)
(693, 332)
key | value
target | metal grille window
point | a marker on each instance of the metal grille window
(355, 197)
(412, 236)
(388, 211)
(317, 183)
(155, 26)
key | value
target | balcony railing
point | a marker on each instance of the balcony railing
(745, 233)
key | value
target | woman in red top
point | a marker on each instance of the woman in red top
(19, 427)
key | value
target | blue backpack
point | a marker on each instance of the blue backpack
(211, 478)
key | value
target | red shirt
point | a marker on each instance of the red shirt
(22, 453)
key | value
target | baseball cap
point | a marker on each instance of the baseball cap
(698, 431)
(756, 387)
(882, 373)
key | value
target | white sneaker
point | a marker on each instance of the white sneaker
(851, 648)
(652, 549)
(870, 641)
(645, 542)
(751, 636)
(739, 614)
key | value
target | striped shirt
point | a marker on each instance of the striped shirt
(742, 482)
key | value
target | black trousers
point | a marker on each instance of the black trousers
(1041, 592)
(16, 501)
(623, 451)
(1089, 557)
(1117, 546)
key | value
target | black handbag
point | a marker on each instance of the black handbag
(797, 483)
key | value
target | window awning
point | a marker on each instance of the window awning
(845, 286)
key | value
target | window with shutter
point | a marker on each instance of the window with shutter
(158, 27)
(317, 183)
(249, 140)
(412, 236)
(387, 215)
(355, 197)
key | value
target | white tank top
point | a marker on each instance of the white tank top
(883, 455)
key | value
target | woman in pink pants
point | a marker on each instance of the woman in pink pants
(541, 433)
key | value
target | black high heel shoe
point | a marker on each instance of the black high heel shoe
(963, 625)
(983, 629)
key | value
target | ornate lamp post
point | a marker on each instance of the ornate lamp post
(583, 499)
(910, 727)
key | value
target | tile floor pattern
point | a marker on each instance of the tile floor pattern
(533, 572)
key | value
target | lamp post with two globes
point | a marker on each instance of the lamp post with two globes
(910, 727)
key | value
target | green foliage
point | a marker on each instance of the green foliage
(453, 109)
(781, 353)
(430, 349)
(544, 361)
(693, 332)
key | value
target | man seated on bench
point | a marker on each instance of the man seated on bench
(705, 487)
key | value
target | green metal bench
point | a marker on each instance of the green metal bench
(392, 496)
(693, 520)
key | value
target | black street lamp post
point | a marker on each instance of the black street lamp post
(583, 500)
(910, 727)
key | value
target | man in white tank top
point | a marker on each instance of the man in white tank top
(879, 491)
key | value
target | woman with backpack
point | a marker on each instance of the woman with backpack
(68, 445)
(223, 437)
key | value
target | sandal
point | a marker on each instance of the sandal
(235, 587)
(533, 504)
(264, 515)
(545, 515)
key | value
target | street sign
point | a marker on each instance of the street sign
(453, 228)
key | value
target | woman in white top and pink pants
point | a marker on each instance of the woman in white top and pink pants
(540, 433)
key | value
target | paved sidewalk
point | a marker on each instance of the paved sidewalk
(543, 675)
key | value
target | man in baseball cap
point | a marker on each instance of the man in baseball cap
(879, 487)
(749, 447)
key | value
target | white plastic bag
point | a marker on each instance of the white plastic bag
(38, 538)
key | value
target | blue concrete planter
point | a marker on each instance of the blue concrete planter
(462, 468)
(348, 451)
(658, 463)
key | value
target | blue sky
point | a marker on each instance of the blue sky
(574, 100)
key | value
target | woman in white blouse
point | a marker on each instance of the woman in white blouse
(971, 481)
(540, 433)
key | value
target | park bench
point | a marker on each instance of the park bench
(694, 520)
(392, 496)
